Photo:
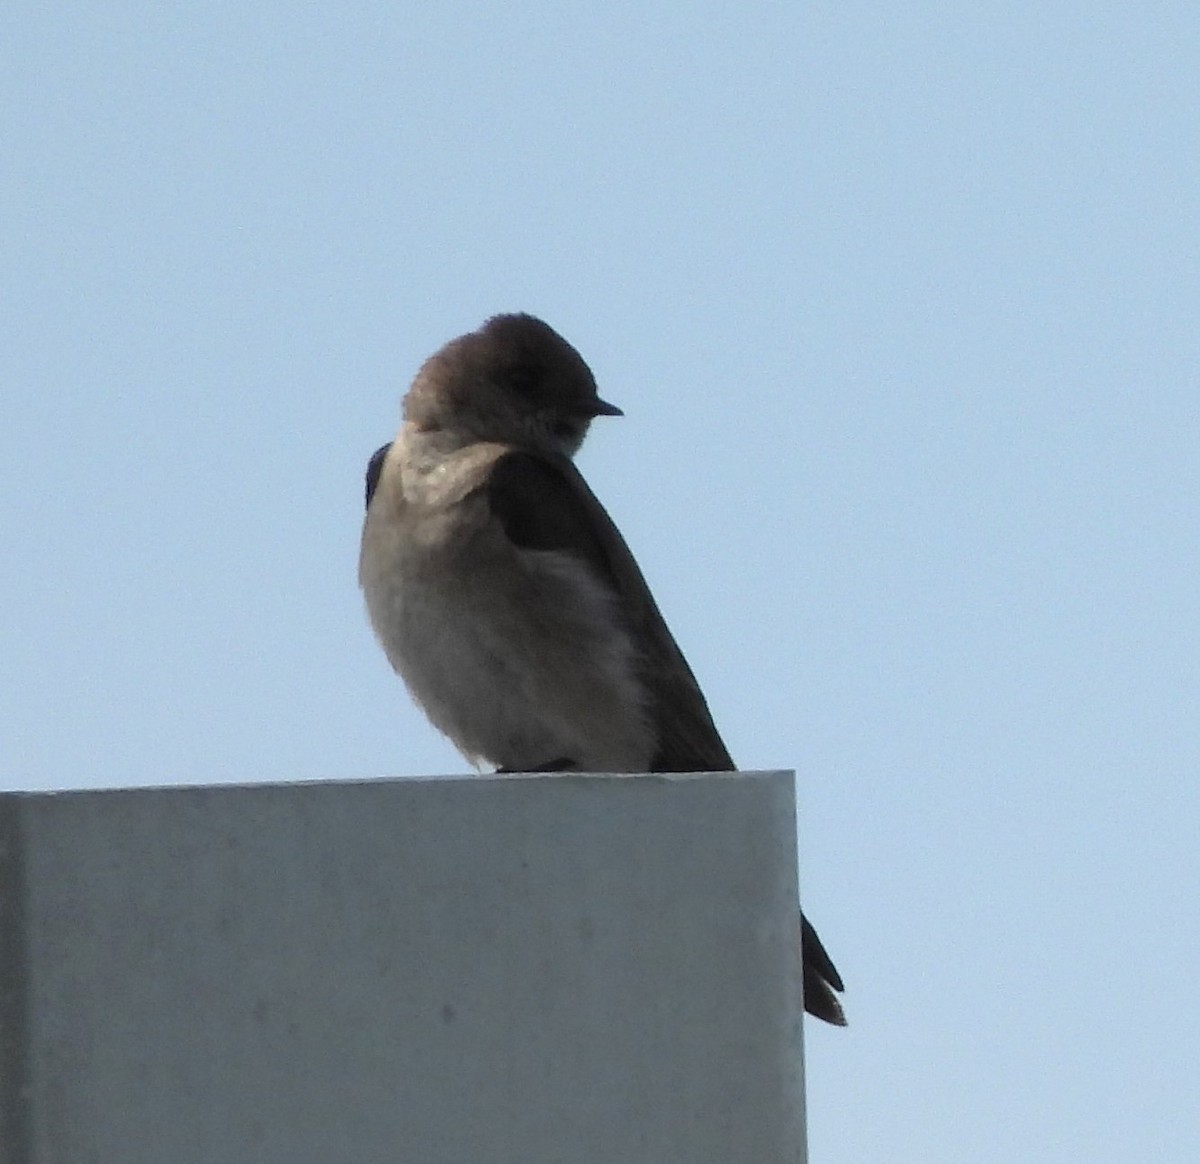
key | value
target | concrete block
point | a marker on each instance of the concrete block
(493, 970)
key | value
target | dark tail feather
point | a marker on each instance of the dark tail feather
(821, 978)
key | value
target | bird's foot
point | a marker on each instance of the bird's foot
(562, 764)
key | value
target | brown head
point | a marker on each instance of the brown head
(515, 380)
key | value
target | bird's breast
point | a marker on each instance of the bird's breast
(520, 657)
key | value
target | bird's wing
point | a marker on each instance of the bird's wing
(374, 468)
(543, 503)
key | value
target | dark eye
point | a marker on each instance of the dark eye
(522, 378)
(564, 429)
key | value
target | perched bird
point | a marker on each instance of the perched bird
(506, 598)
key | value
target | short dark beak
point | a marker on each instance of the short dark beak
(603, 408)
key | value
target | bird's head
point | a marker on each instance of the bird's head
(515, 380)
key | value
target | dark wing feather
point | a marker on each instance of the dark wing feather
(374, 468)
(545, 504)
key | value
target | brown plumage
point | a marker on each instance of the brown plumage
(506, 597)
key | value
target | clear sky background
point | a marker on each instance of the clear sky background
(901, 302)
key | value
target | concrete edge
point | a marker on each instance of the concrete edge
(15, 1122)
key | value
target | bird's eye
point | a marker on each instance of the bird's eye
(522, 378)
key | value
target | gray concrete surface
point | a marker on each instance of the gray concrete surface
(519, 970)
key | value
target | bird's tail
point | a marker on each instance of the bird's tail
(821, 978)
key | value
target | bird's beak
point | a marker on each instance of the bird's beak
(603, 408)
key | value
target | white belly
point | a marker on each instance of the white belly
(519, 657)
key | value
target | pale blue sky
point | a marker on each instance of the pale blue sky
(901, 303)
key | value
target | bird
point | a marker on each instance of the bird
(506, 598)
